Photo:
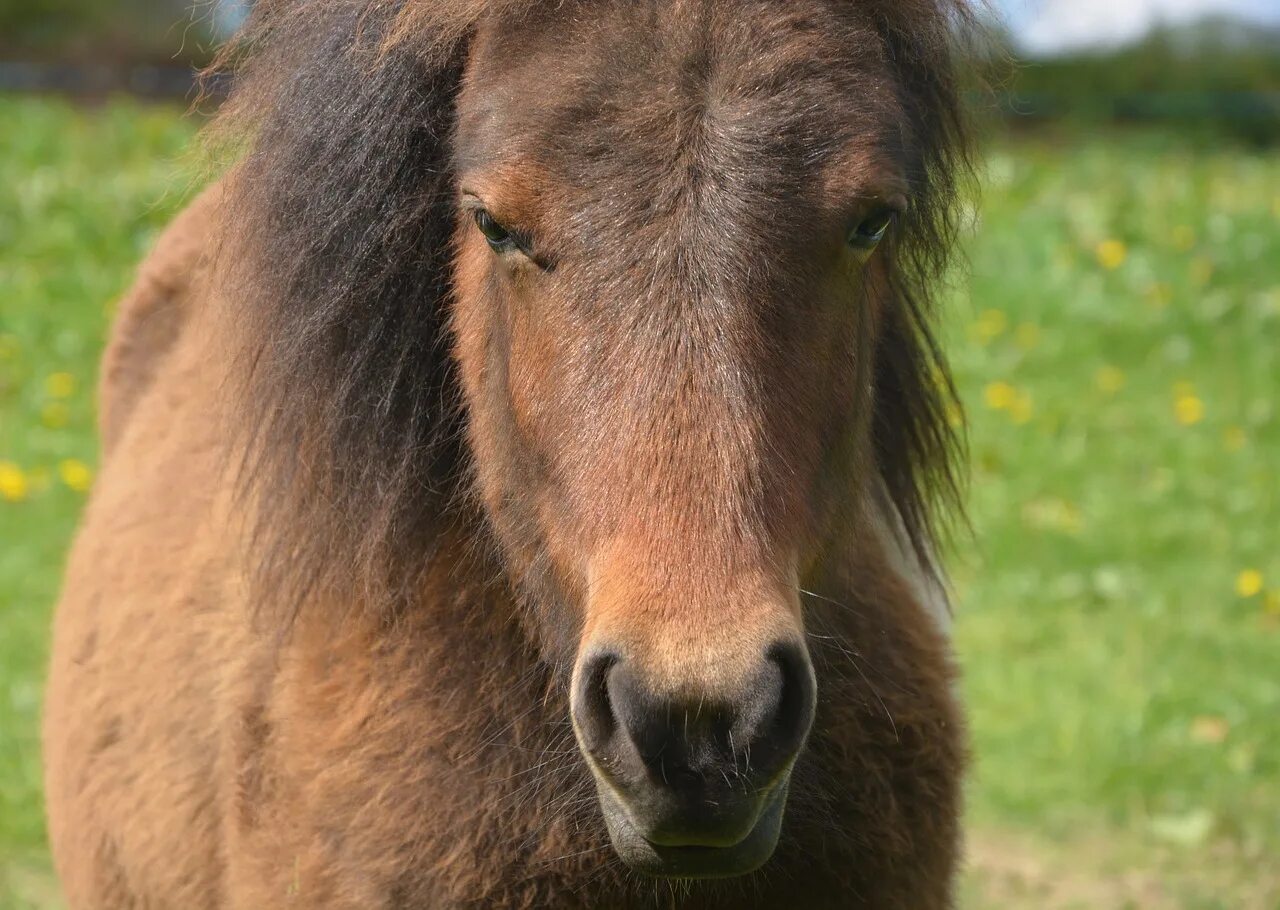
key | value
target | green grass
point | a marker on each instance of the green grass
(1116, 343)
(1126, 296)
(82, 195)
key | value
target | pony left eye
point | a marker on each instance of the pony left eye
(868, 233)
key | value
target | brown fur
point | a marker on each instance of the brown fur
(353, 529)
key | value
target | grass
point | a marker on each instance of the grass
(82, 194)
(1115, 342)
(1120, 619)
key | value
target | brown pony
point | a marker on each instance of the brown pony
(519, 474)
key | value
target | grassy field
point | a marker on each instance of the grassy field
(1116, 340)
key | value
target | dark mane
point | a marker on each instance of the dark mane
(339, 234)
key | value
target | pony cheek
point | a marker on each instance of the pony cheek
(522, 478)
(475, 317)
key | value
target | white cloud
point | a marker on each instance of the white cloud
(1047, 26)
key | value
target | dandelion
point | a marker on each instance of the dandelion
(39, 477)
(1187, 406)
(75, 474)
(1027, 336)
(13, 482)
(1109, 379)
(1071, 520)
(1022, 409)
(1234, 439)
(1161, 481)
(1189, 410)
(1210, 730)
(1053, 514)
(60, 385)
(1000, 396)
(1249, 583)
(1184, 238)
(1111, 254)
(1159, 295)
(990, 326)
(54, 415)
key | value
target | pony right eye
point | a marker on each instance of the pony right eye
(499, 238)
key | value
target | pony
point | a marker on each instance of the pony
(522, 471)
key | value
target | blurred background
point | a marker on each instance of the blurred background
(1115, 333)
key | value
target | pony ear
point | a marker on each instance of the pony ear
(337, 254)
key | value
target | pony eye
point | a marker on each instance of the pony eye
(870, 231)
(501, 239)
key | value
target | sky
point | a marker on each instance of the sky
(1048, 26)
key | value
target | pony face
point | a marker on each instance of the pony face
(641, 291)
(676, 225)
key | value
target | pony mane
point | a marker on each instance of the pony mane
(338, 253)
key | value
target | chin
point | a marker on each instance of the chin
(674, 860)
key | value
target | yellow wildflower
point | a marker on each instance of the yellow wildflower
(1022, 409)
(1109, 379)
(60, 385)
(1111, 254)
(13, 482)
(1187, 405)
(39, 479)
(1000, 396)
(1272, 603)
(1209, 729)
(75, 474)
(1071, 521)
(1234, 439)
(1184, 238)
(1188, 409)
(990, 325)
(1027, 336)
(54, 415)
(1249, 583)
(1053, 514)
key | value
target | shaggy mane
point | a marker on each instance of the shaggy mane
(338, 254)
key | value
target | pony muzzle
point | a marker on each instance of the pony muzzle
(692, 779)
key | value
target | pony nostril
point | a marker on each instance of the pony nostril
(592, 707)
(797, 698)
(776, 711)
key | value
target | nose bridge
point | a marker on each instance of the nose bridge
(683, 376)
(695, 499)
(689, 454)
(691, 627)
